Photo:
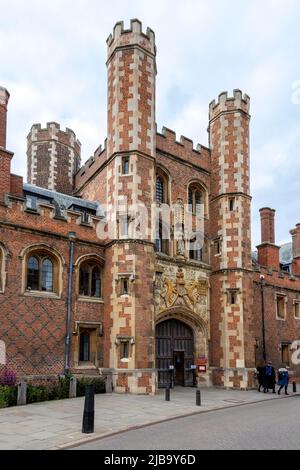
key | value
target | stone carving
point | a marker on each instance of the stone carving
(175, 287)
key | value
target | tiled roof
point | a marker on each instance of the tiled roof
(63, 200)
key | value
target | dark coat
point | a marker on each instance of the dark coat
(283, 377)
(260, 374)
(269, 378)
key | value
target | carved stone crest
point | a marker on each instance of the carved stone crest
(191, 294)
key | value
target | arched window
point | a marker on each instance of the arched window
(197, 199)
(160, 190)
(90, 280)
(162, 187)
(41, 273)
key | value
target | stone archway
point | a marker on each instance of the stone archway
(180, 338)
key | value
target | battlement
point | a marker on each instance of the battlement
(133, 36)
(52, 131)
(226, 104)
(187, 143)
(91, 166)
(4, 96)
(184, 148)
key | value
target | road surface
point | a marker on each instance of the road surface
(269, 425)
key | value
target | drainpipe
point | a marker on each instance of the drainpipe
(72, 237)
(262, 284)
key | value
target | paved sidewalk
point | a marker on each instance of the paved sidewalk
(57, 425)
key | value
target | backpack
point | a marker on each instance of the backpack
(269, 370)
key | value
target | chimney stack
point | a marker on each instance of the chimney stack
(4, 97)
(268, 252)
(5, 156)
(296, 249)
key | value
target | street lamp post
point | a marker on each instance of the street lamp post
(262, 284)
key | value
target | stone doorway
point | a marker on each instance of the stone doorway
(174, 354)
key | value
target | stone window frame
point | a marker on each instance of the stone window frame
(296, 302)
(95, 330)
(123, 158)
(285, 297)
(3, 261)
(232, 204)
(233, 293)
(97, 260)
(130, 277)
(217, 242)
(285, 344)
(197, 186)
(46, 251)
(121, 341)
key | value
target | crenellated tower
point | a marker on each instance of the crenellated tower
(53, 157)
(230, 212)
(130, 348)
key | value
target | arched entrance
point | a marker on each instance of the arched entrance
(174, 347)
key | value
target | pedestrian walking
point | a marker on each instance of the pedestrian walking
(269, 378)
(283, 379)
(260, 374)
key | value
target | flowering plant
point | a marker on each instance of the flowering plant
(8, 378)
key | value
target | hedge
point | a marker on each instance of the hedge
(38, 394)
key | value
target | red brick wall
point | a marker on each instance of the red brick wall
(277, 331)
(34, 328)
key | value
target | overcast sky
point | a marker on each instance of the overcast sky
(52, 60)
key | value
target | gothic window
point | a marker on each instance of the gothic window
(90, 280)
(41, 270)
(162, 185)
(197, 200)
(160, 190)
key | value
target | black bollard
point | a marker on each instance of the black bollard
(294, 387)
(89, 410)
(198, 398)
(167, 394)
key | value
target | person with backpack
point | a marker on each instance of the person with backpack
(269, 378)
(283, 379)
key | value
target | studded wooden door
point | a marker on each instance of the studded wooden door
(175, 349)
